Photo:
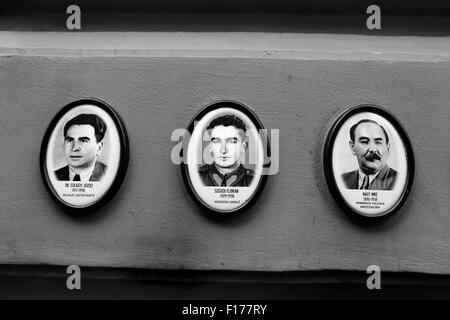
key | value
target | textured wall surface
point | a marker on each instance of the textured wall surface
(152, 223)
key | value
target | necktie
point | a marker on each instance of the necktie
(76, 177)
(224, 181)
(365, 184)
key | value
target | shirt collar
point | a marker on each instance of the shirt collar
(85, 175)
(230, 178)
(361, 176)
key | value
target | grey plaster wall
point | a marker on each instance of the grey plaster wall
(152, 223)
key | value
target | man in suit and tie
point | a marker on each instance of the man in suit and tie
(369, 142)
(227, 143)
(83, 143)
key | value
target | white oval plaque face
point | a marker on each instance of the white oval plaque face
(225, 157)
(369, 161)
(84, 154)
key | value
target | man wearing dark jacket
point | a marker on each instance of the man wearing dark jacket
(83, 143)
(369, 142)
(227, 143)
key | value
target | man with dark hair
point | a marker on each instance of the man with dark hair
(369, 142)
(83, 143)
(227, 143)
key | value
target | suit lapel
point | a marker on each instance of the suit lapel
(379, 183)
(66, 176)
(96, 173)
(355, 180)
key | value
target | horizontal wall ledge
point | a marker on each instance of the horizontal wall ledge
(226, 44)
(293, 277)
(46, 282)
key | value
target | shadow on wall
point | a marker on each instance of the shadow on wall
(97, 283)
(397, 7)
(430, 18)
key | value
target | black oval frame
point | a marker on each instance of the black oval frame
(123, 162)
(328, 158)
(184, 168)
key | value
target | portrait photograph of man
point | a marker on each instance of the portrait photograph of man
(367, 149)
(228, 142)
(83, 144)
(86, 142)
(369, 143)
(224, 157)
